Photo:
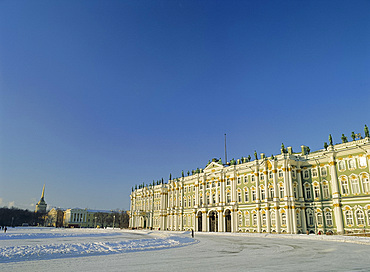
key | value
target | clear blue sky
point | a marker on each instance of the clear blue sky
(97, 96)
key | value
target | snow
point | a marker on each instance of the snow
(45, 249)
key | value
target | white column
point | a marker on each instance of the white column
(258, 219)
(336, 195)
(268, 219)
(204, 221)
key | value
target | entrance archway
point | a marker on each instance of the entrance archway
(213, 221)
(227, 221)
(199, 221)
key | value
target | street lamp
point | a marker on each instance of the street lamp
(95, 221)
(114, 220)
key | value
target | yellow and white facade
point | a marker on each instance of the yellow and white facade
(323, 191)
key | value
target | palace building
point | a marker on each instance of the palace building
(325, 191)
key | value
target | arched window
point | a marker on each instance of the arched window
(298, 217)
(351, 164)
(189, 201)
(362, 162)
(365, 183)
(263, 193)
(307, 190)
(323, 171)
(213, 198)
(310, 218)
(345, 188)
(239, 180)
(283, 218)
(325, 190)
(184, 220)
(306, 174)
(319, 218)
(272, 194)
(254, 194)
(281, 190)
(360, 217)
(246, 218)
(355, 185)
(328, 218)
(349, 218)
(239, 196)
(368, 217)
(185, 202)
(254, 219)
(228, 198)
(316, 190)
(240, 219)
(246, 199)
(341, 166)
(280, 175)
(264, 219)
(295, 191)
(208, 200)
(314, 172)
(273, 218)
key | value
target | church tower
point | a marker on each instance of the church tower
(41, 205)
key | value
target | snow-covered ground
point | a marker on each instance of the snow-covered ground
(50, 249)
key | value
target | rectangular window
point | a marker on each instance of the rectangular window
(239, 180)
(323, 171)
(246, 196)
(254, 196)
(239, 197)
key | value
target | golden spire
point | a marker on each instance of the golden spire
(43, 192)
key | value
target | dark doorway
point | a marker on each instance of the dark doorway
(199, 221)
(228, 221)
(213, 221)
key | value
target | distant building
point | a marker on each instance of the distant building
(322, 191)
(54, 218)
(41, 205)
(84, 218)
